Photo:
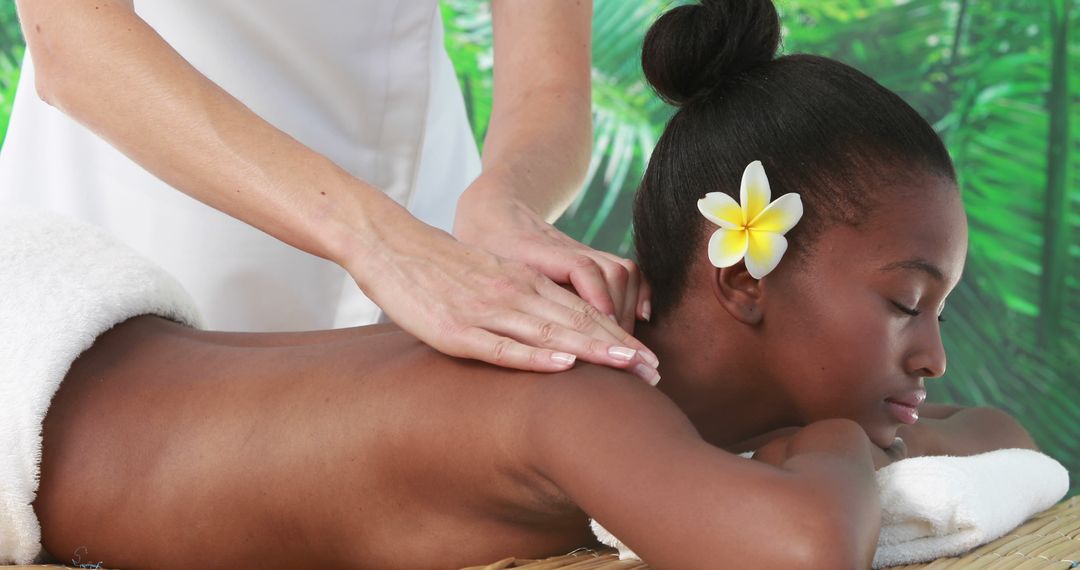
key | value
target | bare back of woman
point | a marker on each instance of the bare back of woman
(171, 447)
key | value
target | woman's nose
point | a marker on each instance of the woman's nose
(928, 357)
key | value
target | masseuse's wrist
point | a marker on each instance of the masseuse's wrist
(357, 224)
(491, 206)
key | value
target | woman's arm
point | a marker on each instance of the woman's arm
(633, 461)
(100, 63)
(954, 430)
(941, 430)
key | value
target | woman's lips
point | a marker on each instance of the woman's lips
(903, 412)
(905, 407)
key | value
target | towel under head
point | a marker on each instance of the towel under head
(944, 505)
(62, 284)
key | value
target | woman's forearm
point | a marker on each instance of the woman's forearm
(832, 462)
(968, 431)
(679, 502)
(106, 68)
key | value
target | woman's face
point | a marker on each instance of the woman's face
(841, 336)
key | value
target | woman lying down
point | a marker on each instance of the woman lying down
(803, 327)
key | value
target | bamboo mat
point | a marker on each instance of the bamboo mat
(1049, 540)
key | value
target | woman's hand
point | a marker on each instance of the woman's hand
(470, 303)
(895, 452)
(503, 225)
(959, 431)
(777, 449)
(942, 430)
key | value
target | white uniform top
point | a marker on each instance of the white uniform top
(366, 83)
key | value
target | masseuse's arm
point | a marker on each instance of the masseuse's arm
(633, 461)
(536, 155)
(955, 430)
(104, 66)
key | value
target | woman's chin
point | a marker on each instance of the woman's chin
(881, 436)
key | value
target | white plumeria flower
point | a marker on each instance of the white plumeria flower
(756, 228)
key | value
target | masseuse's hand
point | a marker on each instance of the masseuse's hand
(467, 302)
(508, 228)
(536, 155)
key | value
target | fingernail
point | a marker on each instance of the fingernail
(650, 358)
(563, 358)
(647, 374)
(612, 317)
(621, 352)
(646, 310)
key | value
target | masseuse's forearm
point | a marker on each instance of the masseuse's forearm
(539, 139)
(538, 147)
(105, 67)
(967, 431)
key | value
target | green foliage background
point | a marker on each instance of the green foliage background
(997, 79)
(11, 50)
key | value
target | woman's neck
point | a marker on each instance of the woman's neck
(711, 368)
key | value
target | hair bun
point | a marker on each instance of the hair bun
(692, 48)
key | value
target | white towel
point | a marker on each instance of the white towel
(62, 284)
(944, 506)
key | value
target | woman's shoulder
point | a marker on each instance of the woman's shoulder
(592, 407)
(598, 391)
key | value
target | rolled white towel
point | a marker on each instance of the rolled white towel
(944, 506)
(62, 284)
(939, 506)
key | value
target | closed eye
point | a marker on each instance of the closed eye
(912, 312)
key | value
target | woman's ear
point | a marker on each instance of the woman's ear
(738, 292)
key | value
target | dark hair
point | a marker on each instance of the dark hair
(819, 127)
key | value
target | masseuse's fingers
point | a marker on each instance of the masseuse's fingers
(626, 285)
(629, 290)
(618, 279)
(622, 279)
(531, 330)
(559, 338)
(545, 344)
(583, 317)
(628, 313)
(508, 353)
(644, 300)
(592, 284)
(510, 229)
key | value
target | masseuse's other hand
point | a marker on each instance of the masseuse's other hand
(467, 302)
(508, 228)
